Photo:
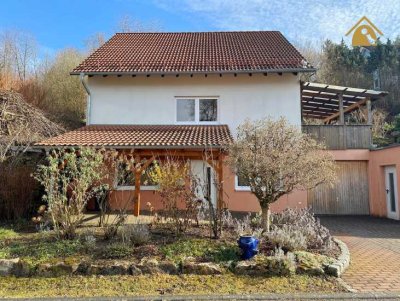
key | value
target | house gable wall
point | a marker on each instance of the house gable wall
(152, 100)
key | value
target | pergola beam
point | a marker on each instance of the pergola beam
(348, 109)
(321, 100)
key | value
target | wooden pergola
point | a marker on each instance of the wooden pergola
(330, 102)
(214, 157)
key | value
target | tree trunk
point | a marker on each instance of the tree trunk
(265, 217)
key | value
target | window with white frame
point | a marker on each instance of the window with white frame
(241, 183)
(197, 110)
(126, 178)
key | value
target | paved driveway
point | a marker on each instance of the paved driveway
(374, 245)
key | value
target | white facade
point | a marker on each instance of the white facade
(152, 100)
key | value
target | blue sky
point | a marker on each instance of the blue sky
(60, 23)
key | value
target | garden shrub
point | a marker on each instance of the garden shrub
(176, 186)
(135, 234)
(88, 240)
(287, 237)
(295, 229)
(68, 179)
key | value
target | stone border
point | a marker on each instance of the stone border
(342, 263)
(270, 266)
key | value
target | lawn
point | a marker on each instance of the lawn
(91, 286)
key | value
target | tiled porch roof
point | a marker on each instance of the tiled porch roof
(144, 136)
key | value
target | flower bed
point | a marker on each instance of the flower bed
(160, 251)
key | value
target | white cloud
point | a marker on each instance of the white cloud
(298, 20)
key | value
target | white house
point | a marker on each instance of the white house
(184, 94)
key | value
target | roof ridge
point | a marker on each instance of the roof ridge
(195, 32)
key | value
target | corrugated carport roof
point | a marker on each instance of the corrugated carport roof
(321, 101)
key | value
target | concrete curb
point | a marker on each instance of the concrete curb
(342, 263)
(338, 296)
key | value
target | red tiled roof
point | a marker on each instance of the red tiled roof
(152, 136)
(191, 52)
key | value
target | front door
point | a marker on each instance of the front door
(391, 192)
(205, 175)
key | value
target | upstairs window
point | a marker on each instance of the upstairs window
(197, 110)
(208, 109)
(186, 109)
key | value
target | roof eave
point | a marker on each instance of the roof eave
(286, 70)
(155, 147)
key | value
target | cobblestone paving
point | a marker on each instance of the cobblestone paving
(374, 245)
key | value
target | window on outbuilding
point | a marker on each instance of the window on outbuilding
(241, 183)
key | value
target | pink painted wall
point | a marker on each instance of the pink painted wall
(245, 201)
(389, 156)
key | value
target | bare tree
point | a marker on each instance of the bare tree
(129, 24)
(95, 41)
(276, 158)
(18, 51)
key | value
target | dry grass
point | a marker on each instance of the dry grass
(161, 284)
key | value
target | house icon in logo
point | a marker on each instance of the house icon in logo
(365, 33)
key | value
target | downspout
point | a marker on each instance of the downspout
(85, 85)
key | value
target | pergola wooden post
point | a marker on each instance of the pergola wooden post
(341, 110)
(138, 170)
(136, 206)
(220, 171)
(369, 111)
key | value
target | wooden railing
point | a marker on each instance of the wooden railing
(341, 136)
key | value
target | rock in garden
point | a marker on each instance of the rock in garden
(309, 263)
(134, 270)
(7, 266)
(83, 268)
(204, 268)
(168, 267)
(22, 269)
(250, 267)
(109, 269)
(266, 266)
(149, 266)
(55, 270)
